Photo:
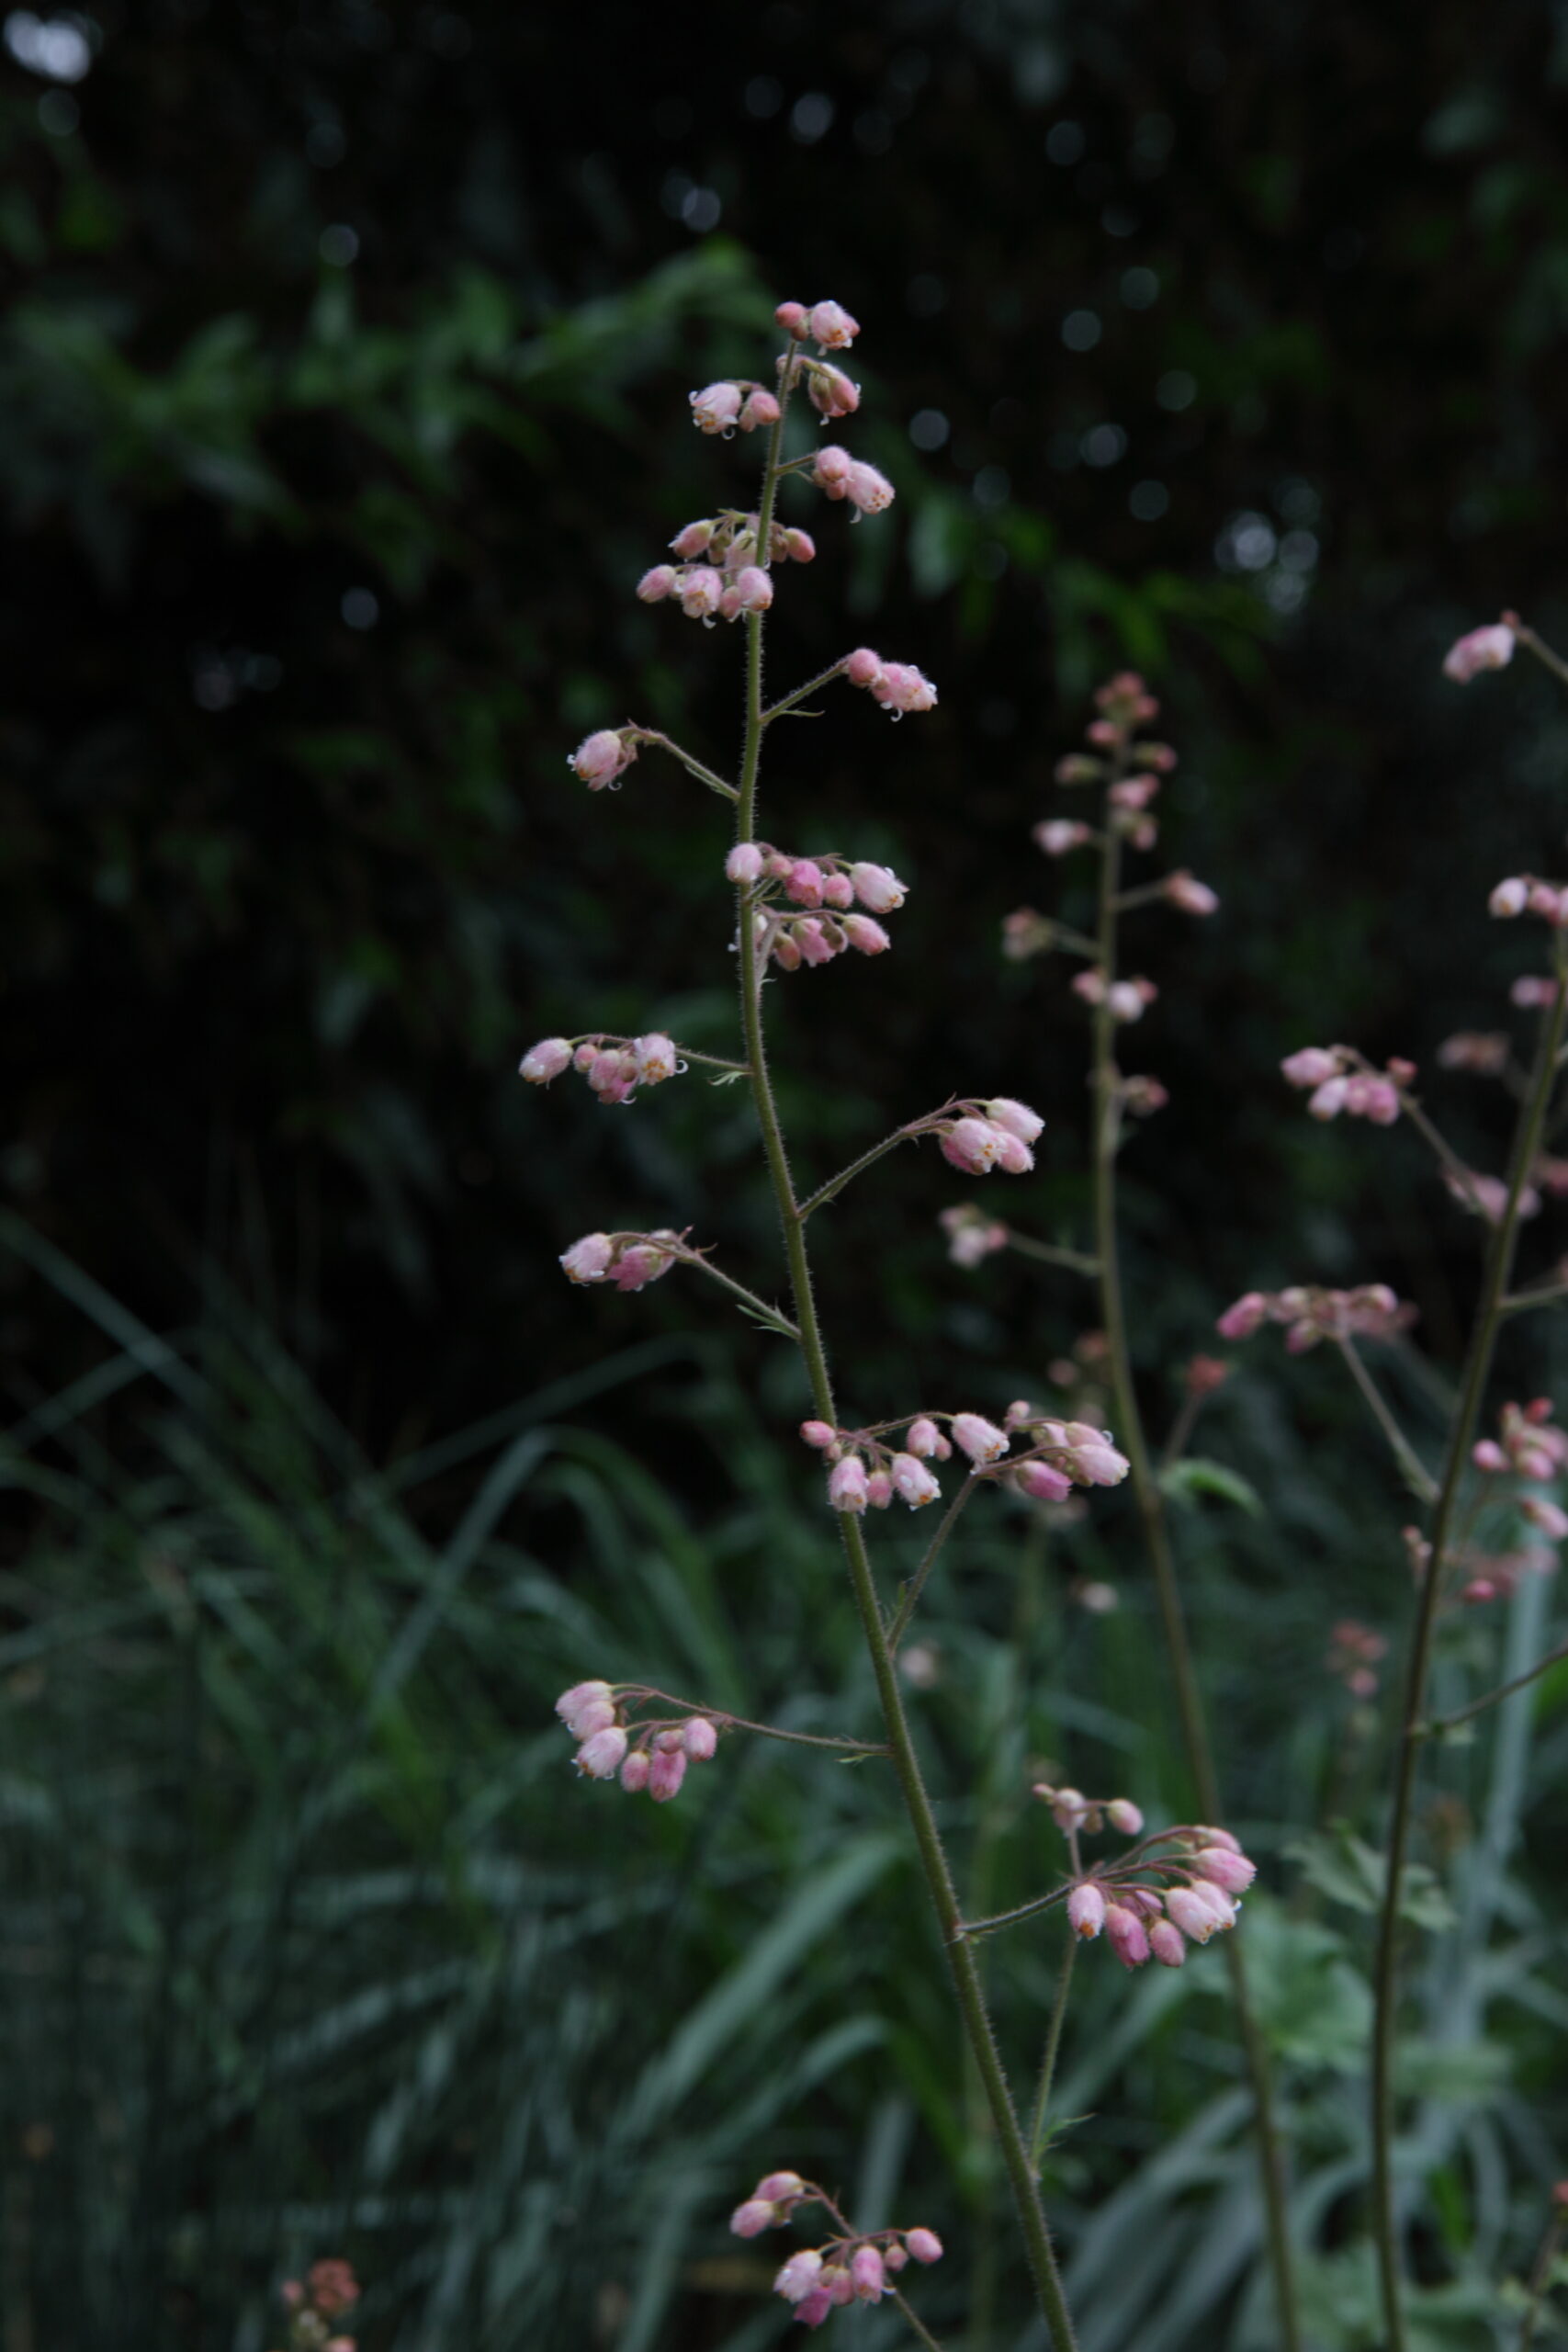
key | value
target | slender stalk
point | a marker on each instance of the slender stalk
(927, 1840)
(1416, 1475)
(1150, 1503)
(777, 710)
(1434, 1726)
(1464, 1177)
(1541, 2277)
(835, 1185)
(1030, 1910)
(1461, 1430)
(917, 1583)
(1050, 1253)
(1542, 651)
(1048, 2062)
(908, 2314)
(766, 1315)
(1521, 1300)
(638, 1691)
(693, 767)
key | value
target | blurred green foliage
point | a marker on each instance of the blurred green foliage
(344, 363)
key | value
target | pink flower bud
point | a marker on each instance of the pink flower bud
(799, 546)
(865, 936)
(1125, 1815)
(902, 688)
(971, 1144)
(924, 1438)
(979, 1438)
(546, 1061)
(749, 2220)
(863, 668)
(715, 409)
(595, 1715)
(912, 1482)
(894, 2257)
(832, 327)
(877, 886)
(847, 1484)
(1248, 1314)
(1016, 1118)
(1483, 649)
(1135, 792)
(700, 591)
(1191, 1914)
(655, 585)
(785, 954)
(634, 1771)
(816, 943)
(1165, 1942)
(1013, 1155)
(665, 1774)
(656, 1058)
(1058, 835)
(1551, 1519)
(751, 590)
(1043, 1482)
(830, 391)
(601, 1755)
(699, 1738)
(1222, 1867)
(838, 890)
(879, 1489)
(814, 2308)
(1098, 1465)
(799, 2275)
(820, 1434)
(778, 2186)
(1086, 1909)
(831, 474)
(589, 1260)
(805, 883)
(1313, 1066)
(599, 759)
(1193, 897)
(694, 538)
(1489, 1456)
(572, 1704)
(761, 408)
(1510, 897)
(869, 490)
(1127, 1935)
(792, 317)
(641, 1264)
(1127, 999)
(1378, 1100)
(744, 863)
(1328, 1100)
(924, 2245)
(866, 2271)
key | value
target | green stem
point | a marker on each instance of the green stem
(1461, 1430)
(766, 1315)
(1417, 1476)
(1434, 1726)
(1542, 651)
(1053, 2044)
(1150, 1504)
(1540, 2277)
(835, 1185)
(823, 678)
(927, 1840)
(1049, 1253)
(693, 767)
(1464, 1177)
(917, 1583)
(722, 1717)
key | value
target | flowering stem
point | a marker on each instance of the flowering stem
(919, 2327)
(1048, 2062)
(906, 1763)
(1541, 2277)
(835, 1185)
(1542, 651)
(1434, 1726)
(768, 1315)
(1024, 1911)
(1461, 1430)
(1150, 1505)
(823, 678)
(917, 1583)
(1521, 1300)
(1462, 1176)
(694, 767)
(1418, 1476)
(721, 1716)
(1050, 1253)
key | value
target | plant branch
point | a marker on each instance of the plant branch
(1462, 1176)
(1542, 651)
(693, 767)
(1434, 1726)
(917, 1584)
(1053, 2044)
(741, 1723)
(1416, 1475)
(812, 685)
(768, 1315)
(1521, 1300)
(835, 1185)
(1461, 1430)
(1051, 1253)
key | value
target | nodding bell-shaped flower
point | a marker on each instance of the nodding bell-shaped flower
(666, 1770)
(831, 326)
(1165, 1942)
(1191, 1914)
(979, 1438)
(1511, 897)
(693, 540)
(1016, 1118)
(701, 591)
(761, 408)
(799, 2274)
(1086, 1909)
(601, 1755)
(749, 2220)
(656, 1058)
(744, 863)
(821, 1434)
(699, 1739)
(924, 2245)
(971, 1145)
(655, 585)
(869, 492)
(590, 1260)
(1042, 1482)
(847, 1484)
(912, 1482)
(582, 1709)
(901, 687)
(878, 888)
(1127, 1935)
(1125, 1815)
(717, 409)
(830, 390)
(1249, 1314)
(865, 936)
(1483, 649)
(863, 667)
(868, 2275)
(1193, 897)
(750, 591)
(546, 1061)
(1313, 1066)
(832, 469)
(599, 758)
(925, 1440)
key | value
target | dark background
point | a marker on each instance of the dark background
(344, 372)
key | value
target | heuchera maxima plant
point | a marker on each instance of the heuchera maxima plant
(799, 907)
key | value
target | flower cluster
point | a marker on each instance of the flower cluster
(722, 574)
(978, 1135)
(826, 885)
(1127, 999)
(1481, 649)
(327, 2291)
(1354, 1653)
(898, 686)
(613, 1066)
(830, 327)
(1484, 1052)
(1342, 1080)
(865, 1471)
(849, 2268)
(625, 1260)
(1520, 894)
(651, 1753)
(1176, 1887)
(1530, 1444)
(971, 1234)
(1369, 1312)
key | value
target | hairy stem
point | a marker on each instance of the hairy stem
(927, 1840)
(1150, 1504)
(1461, 1430)
(1417, 1477)
(1053, 2044)
(1051, 1253)
(1434, 1726)
(917, 1583)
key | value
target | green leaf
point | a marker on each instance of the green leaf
(1348, 1871)
(1184, 1482)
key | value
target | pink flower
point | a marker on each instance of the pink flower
(831, 475)
(656, 1058)
(1127, 999)
(924, 2245)
(879, 1489)
(1125, 1815)
(1373, 1097)
(799, 2275)
(1313, 1066)
(1482, 648)
(600, 1755)
(833, 328)
(830, 391)
(866, 937)
(814, 2307)
(1003, 1111)
(924, 1438)
(1510, 897)
(750, 591)
(776, 2186)
(869, 490)
(1165, 1942)
(799, 546)
(912, 1482)
(1532, 993)
(1127, 1935)
(634, 1771)
(599, 759)
(589, 1260)
(1043, 1481)
(877, 886)
(585, 1699)
(1222, 1866)
(666, 1771)
(863, 667)
(1247, 1316)
(793, 318)
(1086, 1909)
(902, 688)
(699, 1738)
(1551, 1519)
(1057, 835)
(816, 943)
(1192, 1914)
(744, 863)
(761, 408)
(749, 2220)
(1193, 897)
(700, 591)
(847, 1484)
(866, 2271)
(804, 882)
(1327, 1100)
(655, 585)
(716, 408)
(693, 540)
(979, 1438)
(546, 1061)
